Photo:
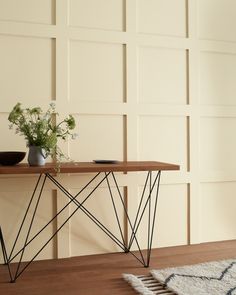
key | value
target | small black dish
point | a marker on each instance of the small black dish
(105, 161)
(11, 158)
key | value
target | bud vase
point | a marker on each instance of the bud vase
(36, 156)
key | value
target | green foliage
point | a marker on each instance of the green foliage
(40, 129)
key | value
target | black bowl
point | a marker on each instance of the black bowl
(11, 158)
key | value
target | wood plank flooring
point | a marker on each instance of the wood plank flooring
(102, 274)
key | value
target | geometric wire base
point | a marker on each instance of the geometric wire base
(147, 204)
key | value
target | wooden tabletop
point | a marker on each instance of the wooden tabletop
(87, 167)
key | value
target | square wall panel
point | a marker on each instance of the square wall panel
(100, 137)
(162, 17)
(28, 70)
(162, 75)
(163, 139)
(217, 144)
(216, 19)
(93, 14)
(97, 72)
(217, 78)
(171, 222)
(218, 204)
(29, 11)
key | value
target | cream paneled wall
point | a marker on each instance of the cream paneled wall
(146, 80)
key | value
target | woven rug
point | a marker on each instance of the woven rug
(211, 278)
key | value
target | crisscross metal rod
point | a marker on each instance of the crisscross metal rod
(129, 221)
(146, 200)
(141, 216)
(4, 252)
(115, 210)
(89, 214)
(29, 229)
(24, 218)
(54, 234)
(153, 221)
(139, 207)
(149, 214)
(51, 220)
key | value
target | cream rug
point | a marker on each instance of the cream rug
(211, 278)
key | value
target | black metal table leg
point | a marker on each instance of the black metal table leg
(8, 259)
(140, 213)
(146, 204)
(5, 256)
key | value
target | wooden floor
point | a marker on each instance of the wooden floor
(102, 274)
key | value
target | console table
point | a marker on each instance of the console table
(101, 173)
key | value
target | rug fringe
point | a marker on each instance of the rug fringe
(146, 285)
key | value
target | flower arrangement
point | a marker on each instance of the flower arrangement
(40, 129)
